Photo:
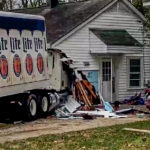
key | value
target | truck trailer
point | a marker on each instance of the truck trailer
(26, 67)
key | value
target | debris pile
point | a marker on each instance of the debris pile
(85, 102)
(135, 100)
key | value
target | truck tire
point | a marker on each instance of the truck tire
(43, 105)
(31, 107)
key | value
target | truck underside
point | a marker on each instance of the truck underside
(32, 104)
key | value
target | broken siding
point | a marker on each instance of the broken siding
(92, 77)
(77, 47)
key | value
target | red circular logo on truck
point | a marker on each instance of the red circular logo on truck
(3, 67)
(17, 65)
(29, 64)
(40, 63)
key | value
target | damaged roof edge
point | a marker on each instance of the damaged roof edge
(58, 51)
(92, 16)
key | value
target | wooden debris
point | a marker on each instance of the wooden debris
(84, 91)
(137, 130)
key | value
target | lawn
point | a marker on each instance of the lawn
(107, 138)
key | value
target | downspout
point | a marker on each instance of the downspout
(111, 78)
(143, 36)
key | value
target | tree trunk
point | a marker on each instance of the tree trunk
(10, 4)
(24, 3)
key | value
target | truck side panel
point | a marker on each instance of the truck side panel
(28, 49)
(23, 56)
(16, 62)
(40, 56)
(5, 73)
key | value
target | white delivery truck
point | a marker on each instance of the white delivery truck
(24, 70)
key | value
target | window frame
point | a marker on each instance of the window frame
(141, 73)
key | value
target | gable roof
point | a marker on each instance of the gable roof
(95, 8)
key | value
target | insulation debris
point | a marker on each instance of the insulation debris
(101, 113)
(71, 104)
(85, 102)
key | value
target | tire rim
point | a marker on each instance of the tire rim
(44, 104)
(33, 107)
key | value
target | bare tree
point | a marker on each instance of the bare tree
(32, 3)
(24, 3)
(36, 3)
(7, 4)
(2, 4)
(13, 4)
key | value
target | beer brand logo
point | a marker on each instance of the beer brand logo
(17, 65)
(3, 67)
(40, 63)
(29, 64)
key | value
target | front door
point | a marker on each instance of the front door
(106, 79)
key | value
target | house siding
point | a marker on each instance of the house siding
(146, 56)
(96, 45)
(123, 89)
(78, 45)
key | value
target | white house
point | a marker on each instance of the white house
(107, 40)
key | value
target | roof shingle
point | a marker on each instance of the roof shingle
(64, 18)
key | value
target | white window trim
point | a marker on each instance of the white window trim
(128, 73)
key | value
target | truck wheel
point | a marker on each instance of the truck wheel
(31, 107)
(43, 103)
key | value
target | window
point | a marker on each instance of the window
(106, 70)
(134, 72)
(53, 62)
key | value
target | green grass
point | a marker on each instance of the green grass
(107, 138)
